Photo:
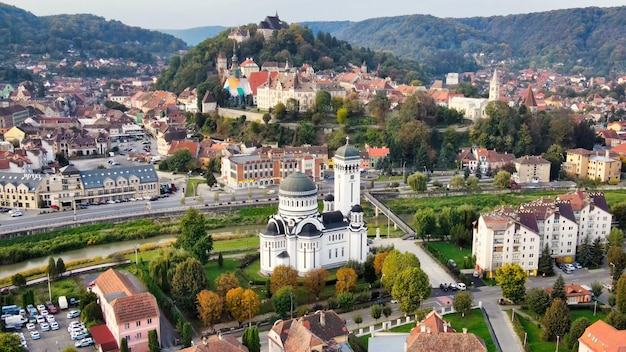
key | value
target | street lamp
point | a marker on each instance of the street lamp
(557, 343)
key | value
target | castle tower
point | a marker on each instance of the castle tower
(347, 178)
(234, 63)
(364, 67)
(222, 64)
(494, 87)
(530, 101)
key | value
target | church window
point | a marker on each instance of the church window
(336, 252)
(342, 252)
(329, 254)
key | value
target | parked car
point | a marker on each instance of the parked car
(608, 287)
(54, 325)
(461, 286)
(35, 334)
(444, 287)
(452, 263)
(84, 342)
(476, 274)
(51, 308)
(31, 326)
(44, 326)
(453, 286)
(80, 336)
(16, 214)
(73, 314)
(577, 265)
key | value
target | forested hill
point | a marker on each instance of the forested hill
(297, 45)
(588, 40)
(91, 36)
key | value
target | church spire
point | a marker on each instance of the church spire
(494, 87)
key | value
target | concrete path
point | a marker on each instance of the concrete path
(503, 328)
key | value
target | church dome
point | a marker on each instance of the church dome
(357, 209)
(329, 198)
(347, 151)
(297, 182)
(309, 230)
(271, 230)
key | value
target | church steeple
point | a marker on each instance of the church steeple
(529, 101)
(494, 87)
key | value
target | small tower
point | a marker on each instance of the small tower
(347, 178)
(234, 63)
(530, 101)
(364, 67)
(222, 64)
(329, 202)
(494, 87)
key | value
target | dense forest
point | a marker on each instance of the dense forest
(90, 36)
(297, 45)
(588, 40)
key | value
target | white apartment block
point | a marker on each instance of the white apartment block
(519, 235)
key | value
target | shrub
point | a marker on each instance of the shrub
(333, 303)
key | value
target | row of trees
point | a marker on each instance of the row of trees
(453, 222)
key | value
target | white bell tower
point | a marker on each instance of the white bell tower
(347, 161)
(494, 87)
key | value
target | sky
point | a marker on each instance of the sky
(184, 14)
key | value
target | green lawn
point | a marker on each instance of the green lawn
(192, 186)
(534, 340)
(451, 251)
(234, 244)
(579, 313)
(474, 322)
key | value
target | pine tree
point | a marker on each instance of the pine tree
(186, 335)
(597, 254)
(251, 339)
(60, 266)
(124, 345)
(556, 321)
(558, 289)
(52, 268)
(153, 341)
(220, 260)
(545, 262)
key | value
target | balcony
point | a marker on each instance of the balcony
(497, 257)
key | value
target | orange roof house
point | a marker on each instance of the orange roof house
(435, 334)
(313, 332)
(575, 294)
(219, 343)
(190, 145)
(602, 337)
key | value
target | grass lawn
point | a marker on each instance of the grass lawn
(534, 340)
(213, 270)
(474, 322)
(234, 244)
(69, 287)
(579, 313)
(451, 251)
(192, 186)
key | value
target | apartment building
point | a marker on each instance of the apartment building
(519, 235)
(531, 169)
(603, 166)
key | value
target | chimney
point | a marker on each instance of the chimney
(464, 330)
(323, 318)
(428, 330)
(607, 153)
(422, 327)
(445, 327)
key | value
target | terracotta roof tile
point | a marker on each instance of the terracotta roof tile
(136, 307)
(602, 337)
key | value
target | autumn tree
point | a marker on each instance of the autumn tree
(280, 111)
(242, 304)
(225, 282)
(418, 182)
(394, 264)
(556, 321)
(342, 116)
(193, 235)
(558, 289)
(282, 276)
(512, 279)
(187, 282)
(577, 330)
(411, 287)
(209, 307)
(538, 300)
(315, 281)
(284, 301)
(346, 280)
(378, 262)
(463, 302)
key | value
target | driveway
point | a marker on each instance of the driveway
(436, 273)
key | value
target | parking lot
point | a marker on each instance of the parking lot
(57, 340)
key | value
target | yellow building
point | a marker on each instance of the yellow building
(14, 134)
(593, 165)
(531, 169)
(20, 190)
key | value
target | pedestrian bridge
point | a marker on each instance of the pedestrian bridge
(397, 221)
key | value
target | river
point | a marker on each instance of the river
(103, 250)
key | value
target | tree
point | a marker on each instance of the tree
(378, 262)
(18, 280)
(210, 178)
(376, 311)
(538, 301)
(460, 235)
(251, 303)
(251, 339)
(545, 265)
(620, 294)
(425, 223)
(369, 272)
(283, 301)
(92, 313)
(387, 311)
(280, 111)
(60, 266)
(556, 321)
(209, 307)
(193, 236)
(346, 300)
(577, 330)
(457, 182)
(358, 319)
(596, 288)
(342, 116)
(616, 320)
(181, 161)
(52, 269)
(61, 159)
(472, 183)
(411, 287)
(597, 253)
(394, 264)
(187, 282)
(322, 101)
(584, 253)
(502, 180)
(463, 302)
(558, 289)
(282, 276)
(512, 279)
(267, 118)
(153, 341)
(225, 282)
(346, 280)
(124, 345)
(617, 262)
(315, 280)
(418, 182)
(616, 237)
(10, 342)
(220, 260)
(186, 338)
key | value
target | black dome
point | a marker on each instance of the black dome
(329, 198)
(297, 182)
(309, 230)
(271, 229)
(356, 209)
(347, 151)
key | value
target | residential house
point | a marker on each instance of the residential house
(209, 149)
(6, 90)
(209, 104)
(531, 169)
(313, 332)
(375, 154)
(592, 214)
(14, 134)
(221, 343)
(64, 189)
(191, 146)
(20, 190)
(12, 116)
(486, 160)
(248, 67)
(467, 159)
(611, 138)
(575, 294)
(602, 337)
(593, 165)
(128, 312)
(617, 126)
(165, 136)
(239, 34)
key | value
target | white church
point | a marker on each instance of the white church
(305, 239)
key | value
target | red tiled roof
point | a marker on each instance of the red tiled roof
(255, 79)
(184, 144)
(136, 307)
(103, 337)
(112, 281)
(602, 337)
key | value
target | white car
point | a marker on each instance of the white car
(461, 286)
(31, 326)
(16, 214)
(54, 325)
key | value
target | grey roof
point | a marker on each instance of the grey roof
(347, 152)
(309, 230)
(329, 198)
(357, 208)
(95, 178)
(297, 182)
(271, 229)
(30, 180)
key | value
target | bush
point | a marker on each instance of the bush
(333, 303)
(248, 259)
